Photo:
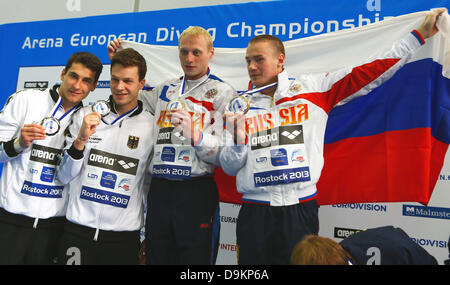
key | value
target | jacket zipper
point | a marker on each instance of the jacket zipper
(97, 230)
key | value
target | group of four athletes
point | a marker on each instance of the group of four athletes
(76, 180)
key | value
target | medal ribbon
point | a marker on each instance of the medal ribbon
(121, 117)
(183, 85)
(58, 104)
(256, 90)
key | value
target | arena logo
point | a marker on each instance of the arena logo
(44, 154)
(364, 207)
(101, 159)
(344, 232)
(426, 212)
(283, 135)
(35, 84)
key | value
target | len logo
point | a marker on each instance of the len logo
(133, 142)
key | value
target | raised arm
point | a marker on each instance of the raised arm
(72, 161)
(429, 27)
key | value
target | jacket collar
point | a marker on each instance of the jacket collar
(135, 113)
(283, 83)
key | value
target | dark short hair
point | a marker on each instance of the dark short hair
(87, 59)
(276, 42)
(129, 57)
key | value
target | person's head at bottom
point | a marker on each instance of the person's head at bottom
(316, 250)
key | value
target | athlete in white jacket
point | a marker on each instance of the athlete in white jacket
(182, 222)
(32, 200)
(280, 160)
(106, 166)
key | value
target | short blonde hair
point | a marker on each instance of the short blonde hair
(196, 31)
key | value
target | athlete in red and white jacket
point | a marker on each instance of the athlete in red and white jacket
(205, 100)
(275, 150)
(283, 158)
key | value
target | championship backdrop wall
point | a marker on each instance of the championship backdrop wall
(33, 55)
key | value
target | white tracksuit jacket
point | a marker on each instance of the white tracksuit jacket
(28, 184)
(205, 99)
(283, 159)
(106, 179)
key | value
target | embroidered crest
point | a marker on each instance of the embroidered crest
(295, 88)
(211, 93)
(133, 142)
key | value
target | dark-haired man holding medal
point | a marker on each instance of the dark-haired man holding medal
(108, 152)
(32, 200)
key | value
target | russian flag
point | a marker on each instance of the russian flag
(390, 145)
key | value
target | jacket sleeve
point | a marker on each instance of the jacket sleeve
(72, 161)
(343, 85)
(149, 99)
(210, 145)
(11, 122)
(232, 157)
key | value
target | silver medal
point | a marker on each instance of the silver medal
(51, 126)
(101, 107)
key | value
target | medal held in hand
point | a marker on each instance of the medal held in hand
(101, 107)
(176, 104)
(51, 126)
(239, 104)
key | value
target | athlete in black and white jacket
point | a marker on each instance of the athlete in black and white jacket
(106, 163)
(32, 200)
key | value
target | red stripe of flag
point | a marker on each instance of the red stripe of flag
(395, 166)
(358, 78)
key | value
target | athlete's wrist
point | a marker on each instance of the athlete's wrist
(79, 143)
(18, 146)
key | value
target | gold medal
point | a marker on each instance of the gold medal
(176, 104)
(239, 104)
